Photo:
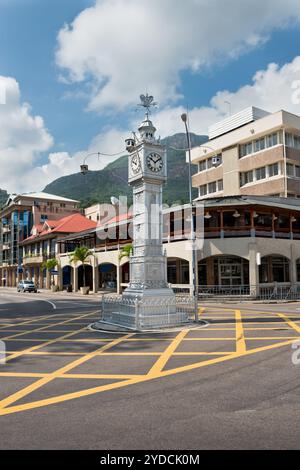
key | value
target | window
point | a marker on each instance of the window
(246, 149)
(249, 148)
(202, 166)
(297, 171)
(272, 140)
(246, 177)
(290, 169)
(259, 145)
(273, 170)
(289, 140)
(296, 141)
(220, 185)
(203, 190)
(209, 163)
(212, 187)
(260, 173)
(243, 151)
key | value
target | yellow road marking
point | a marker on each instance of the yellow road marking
(209, 338)
(42, 345)
(37, 329)
(221, 359)
(29, 321)
(292, 324)
(240, 339)
(165, 356)
(220, 353)
(38, 384)
(155, 372)
(125, 383)
(68, 376)
(271, 337)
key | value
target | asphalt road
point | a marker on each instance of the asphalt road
(231, 385)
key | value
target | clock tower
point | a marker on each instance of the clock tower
(147, 169)
(148, 302)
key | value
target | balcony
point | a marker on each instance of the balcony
(5, 247)
(6, 229)
(33, 259)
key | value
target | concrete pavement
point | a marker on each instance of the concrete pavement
(231, 385)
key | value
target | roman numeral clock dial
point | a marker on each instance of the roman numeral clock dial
(155, 162)
(135, 164)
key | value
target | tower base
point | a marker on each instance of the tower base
(146, 309)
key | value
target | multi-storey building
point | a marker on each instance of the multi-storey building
(18, 216)
(250, 153)
(250, 245)
(41, 245)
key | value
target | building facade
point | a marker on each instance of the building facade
(250, 153)
(248, 242)
(17, 218)
(41, 246)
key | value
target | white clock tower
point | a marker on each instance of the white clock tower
(147, 173)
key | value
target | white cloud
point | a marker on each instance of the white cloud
(126, 46)
(22, 136)
(272, 89)
(59, 164)
(24, 139)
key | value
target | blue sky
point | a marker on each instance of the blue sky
(29, 45)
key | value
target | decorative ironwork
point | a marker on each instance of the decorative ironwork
(137, 314)
(147, 102)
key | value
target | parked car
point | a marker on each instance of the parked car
(27, 286)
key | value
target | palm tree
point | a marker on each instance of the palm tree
(125, 252)
(82, 255)
(49, 265)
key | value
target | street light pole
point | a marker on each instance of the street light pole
(193, 232)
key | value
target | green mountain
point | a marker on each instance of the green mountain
(3, 197)
(99, 186)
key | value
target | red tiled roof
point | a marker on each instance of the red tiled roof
(73, 223)
(119, 218)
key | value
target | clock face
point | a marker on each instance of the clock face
(135, 164)
(155, 162)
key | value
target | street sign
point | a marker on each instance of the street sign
(53, 272)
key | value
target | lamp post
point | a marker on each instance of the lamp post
(193, 233)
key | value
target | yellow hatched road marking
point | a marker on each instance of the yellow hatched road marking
(139, 379)
(165, 356)
(240, 339)
(68, 376)
(125, 380)
(31, 321)
(290, 322)
(43, 381)
(42, 328)
(42, 345)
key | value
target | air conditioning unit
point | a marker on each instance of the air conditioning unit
(216, 161)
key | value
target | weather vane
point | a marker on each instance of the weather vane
(147, 102)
